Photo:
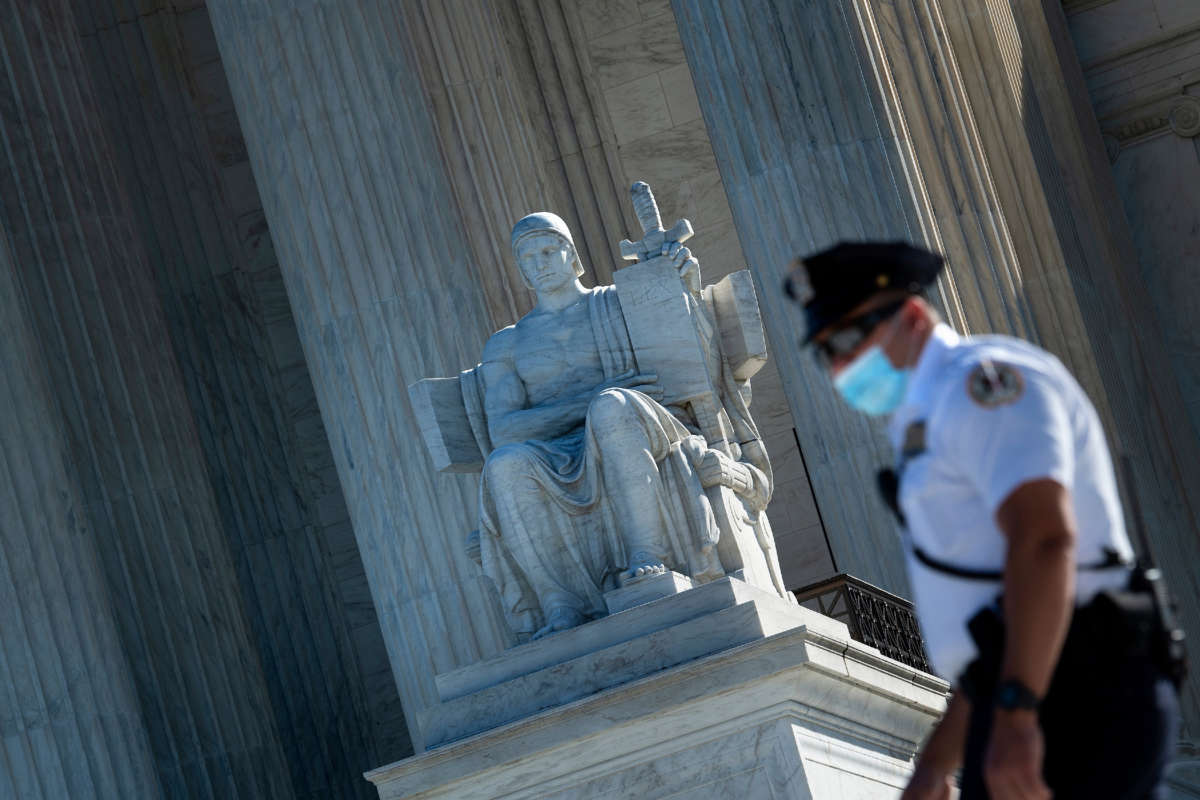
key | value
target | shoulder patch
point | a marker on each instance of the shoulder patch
(992, 384)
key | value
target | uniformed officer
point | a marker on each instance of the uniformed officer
(1018, 558)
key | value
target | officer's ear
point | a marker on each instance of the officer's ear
(910, 322)
(912, 313)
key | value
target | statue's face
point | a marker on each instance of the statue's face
(546, 260)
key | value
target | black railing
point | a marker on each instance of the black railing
(876, 618)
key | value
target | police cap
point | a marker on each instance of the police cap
(844, 276)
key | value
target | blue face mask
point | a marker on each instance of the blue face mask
(871, 384)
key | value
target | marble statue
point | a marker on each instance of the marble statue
(612, 429)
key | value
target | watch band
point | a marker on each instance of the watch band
(1012, 695)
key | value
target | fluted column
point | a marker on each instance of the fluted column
(522, 127)
(548, 50)
(382, 288)
(130, 441)
(965, 125)
(807, 157)
(70, 725)
(196, 207)
(1009, 155)
(1032, 77)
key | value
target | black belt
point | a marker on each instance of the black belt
(889, 488)
(1112, 560)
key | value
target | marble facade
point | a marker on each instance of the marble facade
(236, 229)
(136, 484)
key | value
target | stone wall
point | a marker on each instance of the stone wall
(1142, 65)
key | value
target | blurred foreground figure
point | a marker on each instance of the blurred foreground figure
(1064, 660)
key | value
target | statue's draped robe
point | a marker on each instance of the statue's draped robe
(548, 535)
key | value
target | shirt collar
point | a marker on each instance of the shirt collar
(942, 341)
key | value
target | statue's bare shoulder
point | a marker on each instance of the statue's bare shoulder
(500, 347)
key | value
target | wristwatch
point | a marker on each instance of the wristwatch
(1012, 695)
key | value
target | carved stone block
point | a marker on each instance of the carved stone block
(661, 324)
(743, 340)
(644, 590)
(445, 427)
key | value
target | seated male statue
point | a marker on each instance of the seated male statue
(592, 482)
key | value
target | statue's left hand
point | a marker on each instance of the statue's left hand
(686, 263)
(717, 469)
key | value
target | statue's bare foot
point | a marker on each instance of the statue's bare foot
(642, 565)
(559, 619)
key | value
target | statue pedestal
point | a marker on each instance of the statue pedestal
(720, 691)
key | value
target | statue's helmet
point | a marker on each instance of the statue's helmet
(544, 222)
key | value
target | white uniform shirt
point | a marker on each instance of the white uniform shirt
(998, 413)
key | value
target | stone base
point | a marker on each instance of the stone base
(666, 627)
(797, 710)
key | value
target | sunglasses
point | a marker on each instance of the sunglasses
(846, 338)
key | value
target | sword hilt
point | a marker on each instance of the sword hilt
(645, 208)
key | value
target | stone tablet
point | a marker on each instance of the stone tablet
(445, 427)
(743, 339)
(661, 319)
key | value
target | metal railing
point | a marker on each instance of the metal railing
(876, 618)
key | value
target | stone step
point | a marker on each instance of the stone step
(589, 637)
(741, 615)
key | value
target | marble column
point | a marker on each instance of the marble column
(491, 137)
(548, 48)
(129, 439)
(178, 146)
(807, 157)
(1005, 272)
(522, 127)
(70, 724)
(382, 287)
(1130, 348)
(965, 125)
(1009, 106)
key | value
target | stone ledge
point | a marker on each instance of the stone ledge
(612, 666)
(825, 685)
(611, 630)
